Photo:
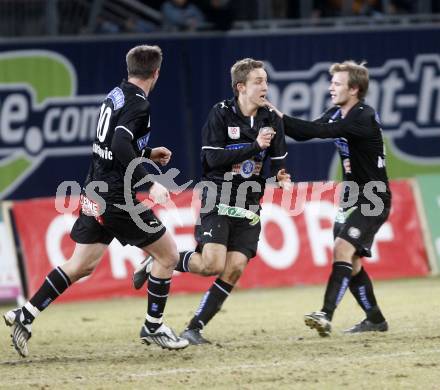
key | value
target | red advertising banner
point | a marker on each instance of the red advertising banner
(295, 245)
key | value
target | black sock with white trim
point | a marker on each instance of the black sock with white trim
(54, 285)
(182, 265)
(157, 290)
(210, 304)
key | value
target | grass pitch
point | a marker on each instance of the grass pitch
(259, 342)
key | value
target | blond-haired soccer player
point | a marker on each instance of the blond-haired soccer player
(240, 135)
(366, 202)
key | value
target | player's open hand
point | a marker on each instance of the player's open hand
(283, 179)
(161, 155)
(159, 194)
(270, 106)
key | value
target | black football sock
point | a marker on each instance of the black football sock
(157, 290)
(336, 286)
(362, 289)
(54, 285)
(182, 265)
(210, 304)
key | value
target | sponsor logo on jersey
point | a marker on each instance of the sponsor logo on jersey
(117, 97)
(143, 141)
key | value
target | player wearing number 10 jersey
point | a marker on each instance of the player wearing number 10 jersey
(122, 135)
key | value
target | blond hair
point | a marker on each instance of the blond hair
(143, 61)
(357, 75)
(241, 69)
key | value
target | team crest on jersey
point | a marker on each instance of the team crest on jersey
(234, 132)
(247, 168)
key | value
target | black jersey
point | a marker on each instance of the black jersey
(230, 152)
(122, 134)
(358, 138)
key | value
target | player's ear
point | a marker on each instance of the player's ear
(240, 87)
(354, 91)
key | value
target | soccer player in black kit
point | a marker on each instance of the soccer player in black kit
(358, 137)
(239, 136)
(121, 137)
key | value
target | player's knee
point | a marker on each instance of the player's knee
(211, 270)
(169, 260)
(212, 266)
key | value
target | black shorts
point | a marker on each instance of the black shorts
(117, 223)
(358, 229)
(235, 233)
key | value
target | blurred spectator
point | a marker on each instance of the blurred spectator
(327, 8)
(181, 15)
(135, 24)
(401, 7)
(105, 26)
(243, 11)
(219, 13)
(367, 7)
(335, 8)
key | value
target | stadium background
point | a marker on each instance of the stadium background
(59, 58)
(55, 71)
(51, 85)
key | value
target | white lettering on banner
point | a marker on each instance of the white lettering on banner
(321, 239)
(179, 217)
(385, 233)
(119, 254)
(14, 111)
(285, 256)
(406, 93)
(58, 228)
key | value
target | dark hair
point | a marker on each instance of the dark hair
(241, 69)
(143, 60)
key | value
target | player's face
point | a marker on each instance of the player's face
(340, 93)
(255, 88)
